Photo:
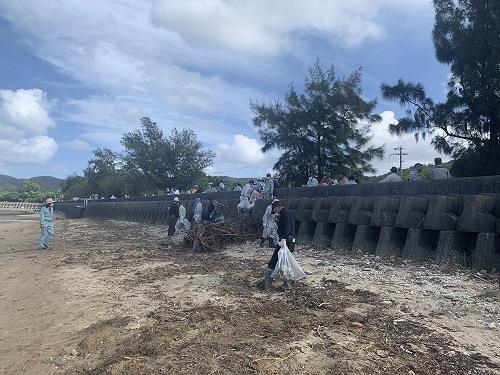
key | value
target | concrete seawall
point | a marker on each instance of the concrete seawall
(454, 221)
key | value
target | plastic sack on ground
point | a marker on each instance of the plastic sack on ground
(287, 267)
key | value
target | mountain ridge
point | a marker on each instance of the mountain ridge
(50, 183)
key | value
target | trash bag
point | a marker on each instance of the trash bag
(287, 267)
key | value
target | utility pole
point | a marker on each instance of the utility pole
(400, 153)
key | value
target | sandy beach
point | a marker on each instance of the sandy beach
(114, 297)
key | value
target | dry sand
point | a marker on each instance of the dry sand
(120, 298)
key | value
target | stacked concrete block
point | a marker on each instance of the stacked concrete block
(442, 213)
(305, 209)
(361, 211)
(366, 239)
(477, 214)
(420, 244)
(343, 236)
(323, 234)
(321, 210)
(340, 209)
(486, 255)
(305, 231)
(455, 248)
(391, 241)
(385, 212)
(411, 212)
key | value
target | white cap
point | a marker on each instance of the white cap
(176, 199)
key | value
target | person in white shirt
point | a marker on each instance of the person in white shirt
(393, 176)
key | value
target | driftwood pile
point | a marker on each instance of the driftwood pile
(206, 236)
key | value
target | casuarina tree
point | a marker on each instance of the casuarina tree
(326, 128)
(466, 37)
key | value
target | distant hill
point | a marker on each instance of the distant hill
(51, 183)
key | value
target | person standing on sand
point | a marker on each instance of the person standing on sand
(286, 234)
(46, 224)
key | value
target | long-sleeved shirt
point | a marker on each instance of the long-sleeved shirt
(198, 209)
(268, 186)
(174, 210)
(414, 175)
(46, 214)
(286, 224)
(439, 172)
(247, 191)
(393, 177)
(312, 182)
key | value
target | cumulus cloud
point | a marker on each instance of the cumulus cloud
(36, 150)
(412, 151)
(240, 156)
(263, 26)
(24, 112)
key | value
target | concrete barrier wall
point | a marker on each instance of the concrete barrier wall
(453, 228)
(19, 206)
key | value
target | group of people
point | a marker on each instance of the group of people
(439, 172)
(178, 222)
(254, 190)
(327, 180)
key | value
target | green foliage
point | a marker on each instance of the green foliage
(10, 193)
(177, 161)
(466, 36)
(324, 129)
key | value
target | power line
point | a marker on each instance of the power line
(400, 153)
(237, 169)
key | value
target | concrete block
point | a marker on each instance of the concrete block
(385, 212)
(411, 213)
(321, 210)
(292, 205)
(305, 231)
(366, 239)
(487, 252)
(361, 211)
(442, 213)
(341, 209)
(323, 235)
(304, 209)
(343, 236)
(420, 244)
(455, 248)
(391, 242)
(477, 215)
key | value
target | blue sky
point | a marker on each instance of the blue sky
(77, 75)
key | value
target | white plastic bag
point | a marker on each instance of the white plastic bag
(287, 267)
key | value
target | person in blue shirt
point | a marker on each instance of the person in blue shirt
(46, 224)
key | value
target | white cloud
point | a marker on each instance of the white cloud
(76, 145)
(35, 150)
(241, 158)
(413, 152)
(269, 27)
(24, 112)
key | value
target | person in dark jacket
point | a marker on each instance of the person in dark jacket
(173, 216)
(208, 215)
(286, 233)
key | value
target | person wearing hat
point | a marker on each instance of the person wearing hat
(286, 234)
(269, 227)
(393, 176)
(173, 216)
(46, 224)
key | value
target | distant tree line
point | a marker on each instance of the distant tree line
(31, 191)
